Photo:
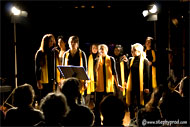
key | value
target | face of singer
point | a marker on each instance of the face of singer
(148, 43)
(94, 49)
(116, 51)
(73, 45)
(61, 43)
(103, 51)
(51, 42)
(134, 52)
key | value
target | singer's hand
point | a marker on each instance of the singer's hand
(99, 55)
(120, 87)
(150, 63)
(146, 90)
(39, 85)
(124, 58)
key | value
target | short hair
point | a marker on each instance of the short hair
(149, 38)
(54, 106)
(112, 108)
(60, 37)
(137, 47)
(23, 95)
(71, 88)
(74, 38)
(120, 47)
(103, 45)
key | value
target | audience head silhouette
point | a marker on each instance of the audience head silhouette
(23, 95)
(23, 114)
(55, 108)
(112, 110)
(71, 89)
(79, 115)
(184, 87)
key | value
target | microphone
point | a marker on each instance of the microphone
(169, 50)
(55, 48)
(97, 58)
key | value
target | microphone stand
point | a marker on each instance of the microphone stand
(54, 70)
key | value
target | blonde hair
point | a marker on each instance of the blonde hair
(138, 47)
(103, 45)
(149, 38)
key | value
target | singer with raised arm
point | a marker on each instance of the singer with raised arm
(137, 79)
(106, 75)
(46, 60)
(75, 56)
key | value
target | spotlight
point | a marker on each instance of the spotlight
(151, 13)
(83, 6)
(15, 11)
(109, 6)
(153, 9)
(24, 13)
(145, 13)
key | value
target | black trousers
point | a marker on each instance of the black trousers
(135, 103)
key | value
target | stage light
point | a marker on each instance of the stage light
(151, 13)
(24, 13)
(153, 9)
(175, 21)
(109, 6)
(83, 6)
(145, 13)
(16, 14)
(15, 11)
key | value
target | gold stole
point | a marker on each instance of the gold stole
(109, 77)
(129, 82)
(81, 64)
(154, 82)
(44, 73)
(90, 87)
(67, 56)
(122, 76)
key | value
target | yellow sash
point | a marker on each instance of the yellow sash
(129, 82)
(109, 77)
(122, 76)
(90, 87)
(44, 72)
(154, 82)
(81, 64)
(67, 56)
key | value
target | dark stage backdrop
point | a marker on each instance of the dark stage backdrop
(108, 22)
